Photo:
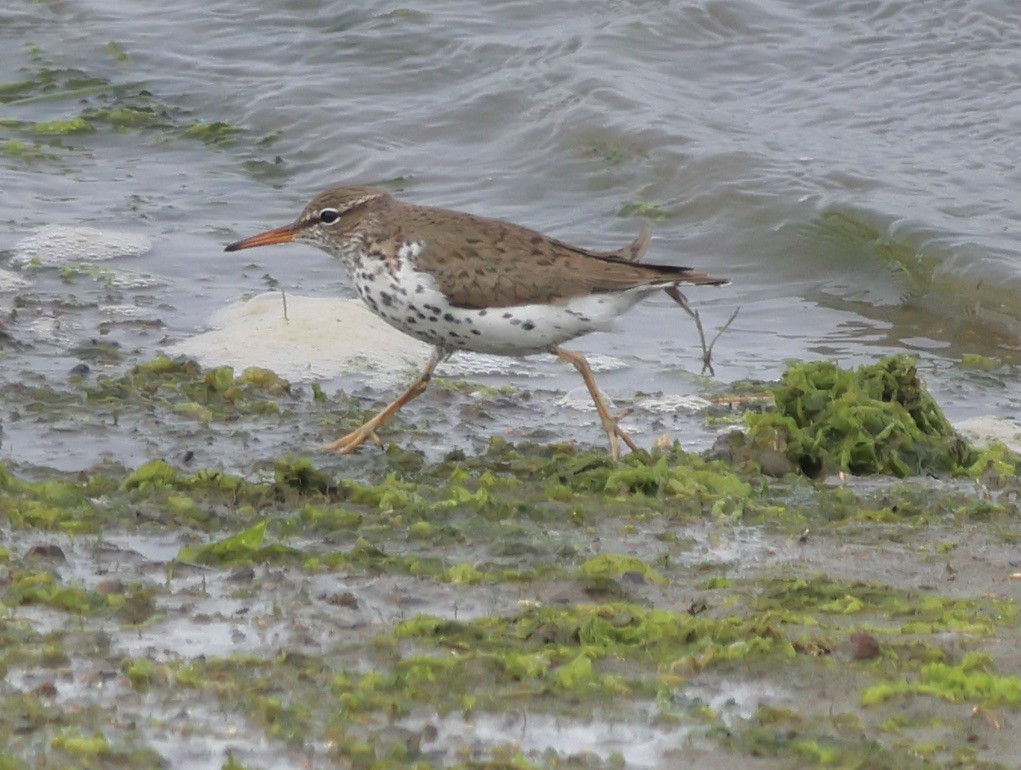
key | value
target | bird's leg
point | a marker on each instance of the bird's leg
(345, 445)
(613, 430)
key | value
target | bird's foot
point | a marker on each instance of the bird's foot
(349, 443)
(345, 445)
(615, 432)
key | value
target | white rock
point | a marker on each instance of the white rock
(319, 339)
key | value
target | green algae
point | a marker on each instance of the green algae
(707, 482)
(877, 419)
(98, 751)
(232, 764)
(63, 745)
(150, 476)
(181, 386)
(470, 667)
(558, 515)
(486, 392)
(25, 151)
(983, 308)
(607, 566)
(644, 209)
(979, 363)
(128, 117)
(666, 642)
(63, 127)
(528, 482)
(80, 745)
(50, 83)
(338, 519)
(244, 548)
(132, 604)
(969, 680)
(255, 685)
(218, 134)
(599, 653)
(43, 588)
(97, 104)
(464, 574)
(995, 465)
(9, 762)
(805, 744)
(904, 613)
(116, 51)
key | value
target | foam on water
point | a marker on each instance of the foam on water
(64, 244)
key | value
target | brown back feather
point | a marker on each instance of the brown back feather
(522, 267)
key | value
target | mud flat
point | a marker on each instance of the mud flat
(530, 605)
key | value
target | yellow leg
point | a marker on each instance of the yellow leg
(345, 445)
(613, 431)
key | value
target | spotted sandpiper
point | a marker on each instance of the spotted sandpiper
(464, 282)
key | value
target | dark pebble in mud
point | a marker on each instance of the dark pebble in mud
(46, 551)
(111, 587)
(634, 578)
(864, 646)
(242, 575)
(346, 599)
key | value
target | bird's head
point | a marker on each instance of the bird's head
(325, 219)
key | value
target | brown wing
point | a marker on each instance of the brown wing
(480, 262)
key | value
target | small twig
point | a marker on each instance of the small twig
(707, 354)
(283, 296)
(707, 350)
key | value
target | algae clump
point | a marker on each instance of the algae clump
(876, 419)
(970, 680)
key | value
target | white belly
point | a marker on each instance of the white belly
(411, 302)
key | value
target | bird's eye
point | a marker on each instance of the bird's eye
(329, 216)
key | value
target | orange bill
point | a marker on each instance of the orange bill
(278, 235)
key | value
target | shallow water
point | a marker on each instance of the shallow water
(852, 166)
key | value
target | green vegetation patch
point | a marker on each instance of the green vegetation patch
(555, 660)
(18, 149)
(608, 566)
(969, 680)
(830, 742)
(181, 385)
(131, 604)
(61, 739)
(651, 581)
(876, 419)
(63, 127)
(587, 645)
(244, 548)
(95, 104)
(897, 611)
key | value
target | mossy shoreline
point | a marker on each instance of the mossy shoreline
(446, 612)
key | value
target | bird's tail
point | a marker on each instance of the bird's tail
(702, 279)
(635, 250)
(665, 275)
